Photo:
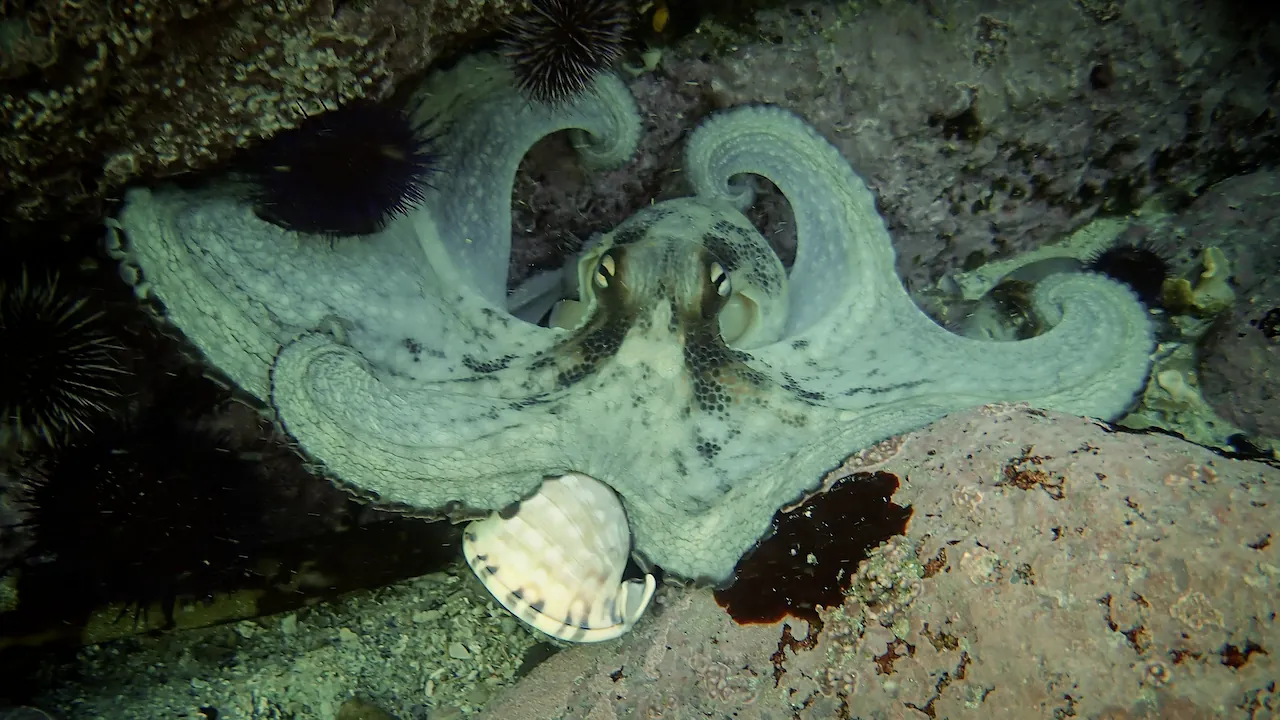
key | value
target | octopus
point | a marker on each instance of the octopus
(687, 369)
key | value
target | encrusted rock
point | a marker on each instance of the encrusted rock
(97, 94)
(1120, 599)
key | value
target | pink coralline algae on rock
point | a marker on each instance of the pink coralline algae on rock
(1051, 569)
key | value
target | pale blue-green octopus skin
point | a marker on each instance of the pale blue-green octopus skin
(393, 361)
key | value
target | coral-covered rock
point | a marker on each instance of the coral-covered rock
(1051, 569)
(96, 94)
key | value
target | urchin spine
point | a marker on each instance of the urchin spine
(559, 46)
(59, 364)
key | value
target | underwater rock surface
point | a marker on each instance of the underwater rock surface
(93, 97)
(1050, 566)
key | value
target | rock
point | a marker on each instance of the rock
(1068, 571)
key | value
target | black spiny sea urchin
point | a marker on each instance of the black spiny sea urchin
(342, 173)
(559, 46)
(58, 362)
(147, 512)
(1141, 265)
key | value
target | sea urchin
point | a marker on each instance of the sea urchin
(342, 173)
(58, 363)
(145, 512)
(1141, 265)
(559, 46)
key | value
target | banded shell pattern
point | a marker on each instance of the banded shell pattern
(557, 563)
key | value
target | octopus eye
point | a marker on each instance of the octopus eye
(605, 271)
(719, 279)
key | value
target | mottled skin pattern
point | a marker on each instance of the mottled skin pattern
(393, 360)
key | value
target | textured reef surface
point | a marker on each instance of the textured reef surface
(1050, 568)
(94, 96)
